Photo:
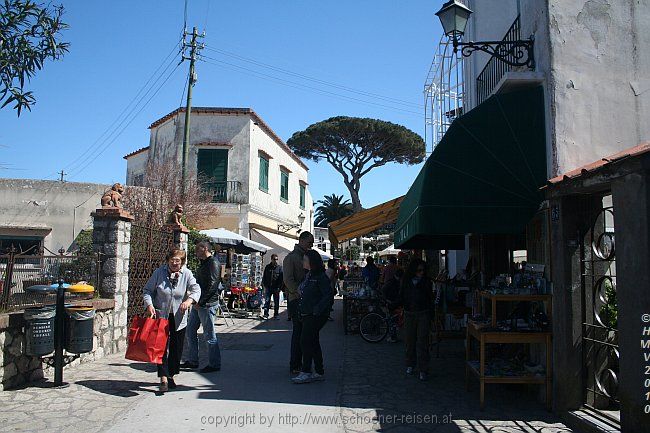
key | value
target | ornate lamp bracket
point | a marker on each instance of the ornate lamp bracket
(513, 53)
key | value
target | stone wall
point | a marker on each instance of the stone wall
(17, 368)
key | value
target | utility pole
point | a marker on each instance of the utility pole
(62, 173)
(194, 48)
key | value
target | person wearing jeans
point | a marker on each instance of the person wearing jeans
(315, 301)
(293, 275)
(272, 283)
(208, 275)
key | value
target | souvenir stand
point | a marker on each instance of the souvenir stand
(357, 300)
(525, 324)
(455, 303)
(244, 278)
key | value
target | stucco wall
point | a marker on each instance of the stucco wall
(594, 55)
(599, 52)
(269, 204)
(63, 207)
(136, 165)
(243, 139)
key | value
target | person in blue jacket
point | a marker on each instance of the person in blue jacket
(315, 300)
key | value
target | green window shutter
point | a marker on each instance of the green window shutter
(264, 174)
(212, 168)
(284, 186)
(213, 164)
(302, 196)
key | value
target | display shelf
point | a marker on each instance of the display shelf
(494, 298)
(487, 333)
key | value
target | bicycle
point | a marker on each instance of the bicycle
(374, 327)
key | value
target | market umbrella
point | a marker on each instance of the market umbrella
(390, 251)
(230, 239)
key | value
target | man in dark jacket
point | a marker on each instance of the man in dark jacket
(272, 283)
(293, 274)
(208, 275)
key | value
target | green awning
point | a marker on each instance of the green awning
(483, 177)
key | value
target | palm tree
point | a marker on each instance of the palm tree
(331, 208)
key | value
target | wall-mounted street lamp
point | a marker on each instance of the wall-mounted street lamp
(454, 16)
(286, 227)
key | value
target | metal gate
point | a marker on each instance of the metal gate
(149, 246)
(600, 315)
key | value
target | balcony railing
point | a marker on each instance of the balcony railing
(495, 69)
(229, 191)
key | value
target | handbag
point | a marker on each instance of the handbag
(147, 339)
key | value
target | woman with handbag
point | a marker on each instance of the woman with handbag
(169, 293)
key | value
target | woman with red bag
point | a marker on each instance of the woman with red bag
(169, 293)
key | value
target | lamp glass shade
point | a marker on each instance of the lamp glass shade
(301, 219)
(453, 16)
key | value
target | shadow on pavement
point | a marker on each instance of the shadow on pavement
(119, 388)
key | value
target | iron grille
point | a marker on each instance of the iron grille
(20, 271)
(600, 315)
(149, 246)
(495, 69)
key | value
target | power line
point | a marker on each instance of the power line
(301, 86)
(110, 138)
(107, 145)
(90, 148)
(316, 80)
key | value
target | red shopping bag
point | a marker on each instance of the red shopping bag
(147, 339)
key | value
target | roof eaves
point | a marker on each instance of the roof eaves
(136, 152)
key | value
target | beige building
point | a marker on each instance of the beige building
(260, 186)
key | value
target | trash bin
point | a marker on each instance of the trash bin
(39, 330)
(79, 329)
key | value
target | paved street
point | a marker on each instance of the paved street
(366, 390)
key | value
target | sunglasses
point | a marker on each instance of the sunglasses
(420, 270)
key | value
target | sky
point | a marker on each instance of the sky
(295, 62)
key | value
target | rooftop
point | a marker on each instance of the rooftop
(230, 111)
(597, 165)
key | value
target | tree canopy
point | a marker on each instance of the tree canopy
(354, 146)
(28, 37)
(331, 208)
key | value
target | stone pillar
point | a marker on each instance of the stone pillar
(112, 237)
(631, 195)
(180, 235)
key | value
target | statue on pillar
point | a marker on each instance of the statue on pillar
(113, 197)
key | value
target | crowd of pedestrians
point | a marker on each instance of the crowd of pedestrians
(189, 301)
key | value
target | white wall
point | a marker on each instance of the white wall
(594, 55)
(599, 55)
(243, 139)
(269, 203)
(135, 166)
(63, 207)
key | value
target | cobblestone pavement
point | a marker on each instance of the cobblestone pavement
(366, 390)
(375, 385)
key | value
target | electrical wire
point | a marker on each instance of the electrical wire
(90, 148)
(207, 14)
(301, 86)
(316, 80)
(107, 145)
(110, 137)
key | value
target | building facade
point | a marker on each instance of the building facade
(41, 215)
(591, 63)
(257, 182)
(322, 240)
